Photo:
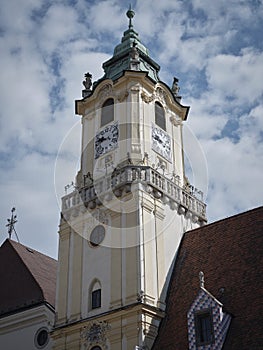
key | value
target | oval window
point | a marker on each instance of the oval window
(97, 235)
(41, 338)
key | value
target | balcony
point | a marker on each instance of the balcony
(185, 200)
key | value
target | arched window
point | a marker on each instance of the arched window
(96, 348)
(107, 112)
(95, 295)
(160, 116)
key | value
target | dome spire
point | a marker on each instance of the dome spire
(130, 14)
(130, 54)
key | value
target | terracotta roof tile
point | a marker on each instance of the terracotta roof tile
(28, 275)
(42, 267)
(230, 253)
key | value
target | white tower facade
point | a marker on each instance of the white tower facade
(121, 228)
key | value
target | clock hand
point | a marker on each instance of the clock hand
(157, 138)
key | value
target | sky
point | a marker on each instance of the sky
(215, 48)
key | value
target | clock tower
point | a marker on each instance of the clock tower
(121, 227)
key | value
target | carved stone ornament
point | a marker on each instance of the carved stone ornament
(95, 334)
(122, 96)
(161, 95)
(175, 120)
(136, 148)
(101, 216)
(89, 115)
(147, 98)
(88, 81)
(175, 87)
(105, 91)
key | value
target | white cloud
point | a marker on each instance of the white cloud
(235, 174)
(24, 93)
(106, 17)
(59, 26)
(29, 187)
(48, 46)
(237, 76)
(229, 10)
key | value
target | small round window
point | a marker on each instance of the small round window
(41, 338)
(97, 235)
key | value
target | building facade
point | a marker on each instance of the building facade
(121, 227)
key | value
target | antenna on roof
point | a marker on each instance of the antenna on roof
(11, 224)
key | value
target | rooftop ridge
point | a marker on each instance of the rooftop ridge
(232, 217)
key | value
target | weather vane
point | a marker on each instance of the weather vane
(11, 224)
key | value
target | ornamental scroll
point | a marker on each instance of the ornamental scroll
(95, 334)
(176, 120)
(105, 91)
(158, 94)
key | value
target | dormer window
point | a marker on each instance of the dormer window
(207, 323)
(204, 328)
(107, 112)
(160, 116)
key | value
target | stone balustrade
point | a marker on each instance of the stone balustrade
(169, 190)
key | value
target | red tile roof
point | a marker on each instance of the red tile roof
(27, 277)
(230, 253)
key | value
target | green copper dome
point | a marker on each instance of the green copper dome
(130, 54)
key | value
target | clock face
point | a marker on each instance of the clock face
(97, 235)
(106, 140)
(161, 143)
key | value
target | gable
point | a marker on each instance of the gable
(27, 277)
(206, 304)
(43, 269)
(18, 287)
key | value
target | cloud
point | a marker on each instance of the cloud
(214, 48)
(29, 187)
(59, 27)
(24, 92)
(235, 175)
(106, 17)
(238, 77)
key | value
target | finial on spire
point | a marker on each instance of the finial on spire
(202, 279)
(130, 14)
(11, 224)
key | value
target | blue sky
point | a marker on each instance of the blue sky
(215, 48)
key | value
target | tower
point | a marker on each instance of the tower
(121, 227)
